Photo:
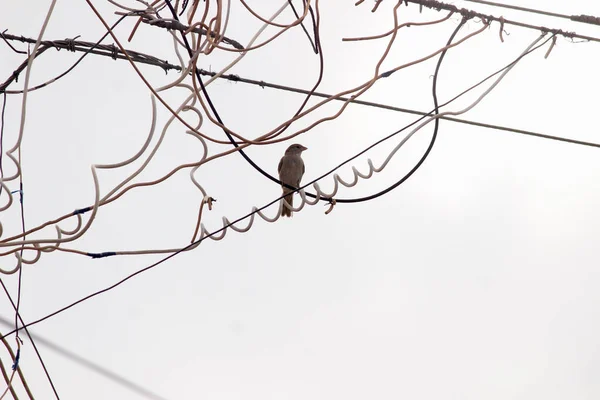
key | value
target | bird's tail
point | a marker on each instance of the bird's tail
(289, 198)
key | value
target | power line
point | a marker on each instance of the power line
(587, 19)
(37, 352)
(90, 365)
(438, 6)
(263, 84)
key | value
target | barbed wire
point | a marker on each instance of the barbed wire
(583, 18)
(439, 6)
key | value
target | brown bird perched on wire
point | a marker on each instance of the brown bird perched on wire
(291, 169)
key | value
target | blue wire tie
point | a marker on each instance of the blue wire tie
(82, 210)
(102, 255)
(16, 364)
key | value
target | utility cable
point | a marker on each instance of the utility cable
(91, 365)
(587, 19)
(438, 6)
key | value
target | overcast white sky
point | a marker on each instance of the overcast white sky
(476, 279)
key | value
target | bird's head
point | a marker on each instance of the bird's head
(295, 149)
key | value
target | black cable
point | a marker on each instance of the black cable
(435, 129)
(20, 275)
(37, 352)
(319, 52)
(312, 44)
(140, 390)
(2, 139)
(87, 52)
(184, 5)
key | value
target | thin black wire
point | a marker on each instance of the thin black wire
(92, 366)
(184, 5)
(37, 352)
(312, 44)
(10, 45)
(2, 139)
(86, 53)
(197, 242)
(263, 84)
(20, 275)
(309, 94)
(435, 129)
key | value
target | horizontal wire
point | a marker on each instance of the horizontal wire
(438, 6)
(586, 19)
(144, 58)
(263, 84)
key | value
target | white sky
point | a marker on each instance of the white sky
(475, 279)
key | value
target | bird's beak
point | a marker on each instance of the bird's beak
(304, 148)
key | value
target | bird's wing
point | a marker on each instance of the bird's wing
(280, 165)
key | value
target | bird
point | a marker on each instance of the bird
(291, 169)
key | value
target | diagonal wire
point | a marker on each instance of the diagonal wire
(91, 365)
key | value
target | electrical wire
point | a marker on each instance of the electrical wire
(86, 363)
(37, 352)
(588, 19)
(438, 6)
